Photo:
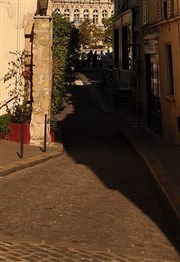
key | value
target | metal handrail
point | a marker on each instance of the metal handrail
(5, 102)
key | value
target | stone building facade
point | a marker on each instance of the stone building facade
(77, 11)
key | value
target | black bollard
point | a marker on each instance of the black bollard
(22, 139)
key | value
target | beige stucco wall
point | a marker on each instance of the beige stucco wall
(14, 16)
(170, 34)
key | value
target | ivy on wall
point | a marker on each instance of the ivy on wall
(66, 46)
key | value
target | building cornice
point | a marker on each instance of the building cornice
(161, 22)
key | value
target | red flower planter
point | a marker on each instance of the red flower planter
(15, 134)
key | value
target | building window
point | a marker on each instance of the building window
(95, 17)
(67, 14)
(126, 50)
(104, 13)
(76, 16)
(167, 8)
(169, 66)
(86, 14)
(57, 11)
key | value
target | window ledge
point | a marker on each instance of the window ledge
(169, 98)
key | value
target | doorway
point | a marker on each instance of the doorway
(153, 93)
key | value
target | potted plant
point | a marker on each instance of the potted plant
(18, 79)
(20, 116)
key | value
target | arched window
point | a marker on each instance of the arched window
(76, 15)
(57, 10)
(67, 14)
(86, 14)
(104, 13)
(95, 17)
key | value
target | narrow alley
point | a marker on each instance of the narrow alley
(96, 202)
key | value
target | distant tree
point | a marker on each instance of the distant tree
(108, 32)
(85, 29)
(96, 36)
(90, 35)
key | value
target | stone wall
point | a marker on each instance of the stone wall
(42, 79)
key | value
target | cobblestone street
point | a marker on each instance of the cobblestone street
(24, 251)
(97, 202)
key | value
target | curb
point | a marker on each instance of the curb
(29, 162)
(168, 188)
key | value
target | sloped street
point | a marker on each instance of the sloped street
(96, 202)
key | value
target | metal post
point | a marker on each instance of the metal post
(45, 132)
(22, 139)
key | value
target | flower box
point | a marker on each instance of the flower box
(15, 134)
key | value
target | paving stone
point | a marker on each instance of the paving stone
(103, 198)
(12, 258)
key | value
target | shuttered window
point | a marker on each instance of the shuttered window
(167, 8)
(164, 9)
(145, 11)
(158, 8)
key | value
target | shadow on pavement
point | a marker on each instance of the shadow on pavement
(94, 139)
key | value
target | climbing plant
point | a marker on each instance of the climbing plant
(17, 81)
(108, 32)
(66, 45)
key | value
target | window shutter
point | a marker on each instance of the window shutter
(145, 11)
(169, 8)
(158, 8)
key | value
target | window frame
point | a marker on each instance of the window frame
(95, 17)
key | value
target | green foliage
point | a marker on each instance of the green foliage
(66, 47)
(20, 113)
(97, 36)
(17, 79)
(4, 125)
(108, 32)
(85, 29)
(94, 37)
(90, 34)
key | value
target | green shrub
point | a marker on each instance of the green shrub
(4, 125)
(66, 47)
(17, 80)
(20, 113)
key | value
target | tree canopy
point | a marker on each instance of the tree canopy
(92, 36)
